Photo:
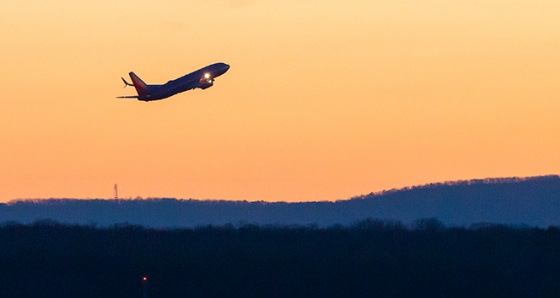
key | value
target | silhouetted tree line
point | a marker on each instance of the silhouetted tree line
(471, 182)
(371, 258)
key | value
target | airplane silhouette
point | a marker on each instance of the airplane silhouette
(202, 78)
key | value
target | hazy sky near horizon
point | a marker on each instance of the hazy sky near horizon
(324, 100)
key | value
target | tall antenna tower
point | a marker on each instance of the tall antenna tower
(116, 193)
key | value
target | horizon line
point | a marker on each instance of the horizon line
(474, 181)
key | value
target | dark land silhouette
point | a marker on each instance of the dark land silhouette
(531, 201)
(478, 238)
(371, 258)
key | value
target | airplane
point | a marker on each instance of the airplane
(202, 78)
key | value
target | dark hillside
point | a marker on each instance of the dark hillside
(532, 201)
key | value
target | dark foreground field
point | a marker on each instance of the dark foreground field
(369, 259)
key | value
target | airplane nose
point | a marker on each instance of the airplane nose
(226, 67)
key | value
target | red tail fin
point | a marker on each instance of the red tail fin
(140, 86)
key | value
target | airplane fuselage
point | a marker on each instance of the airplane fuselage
(202, 78)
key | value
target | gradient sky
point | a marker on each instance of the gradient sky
(324, 100)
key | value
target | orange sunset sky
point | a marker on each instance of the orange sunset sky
(324, 100)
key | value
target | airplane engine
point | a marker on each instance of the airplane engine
(206, 84)
(206, 81)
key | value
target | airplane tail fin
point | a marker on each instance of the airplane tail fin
(140, 86)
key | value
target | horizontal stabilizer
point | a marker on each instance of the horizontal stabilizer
(131, 96)
(126, 83)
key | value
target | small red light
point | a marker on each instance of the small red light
(144, 278)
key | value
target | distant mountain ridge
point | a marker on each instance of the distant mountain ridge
(534, 201)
